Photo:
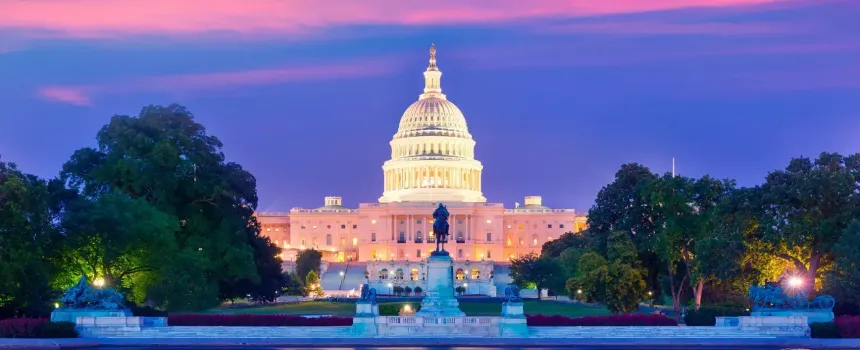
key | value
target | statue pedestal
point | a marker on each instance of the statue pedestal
(71, 315)
(440, 301)
(513, 322)
(364, 322)
(811, 315)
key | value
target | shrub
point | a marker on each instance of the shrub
(824, 330)
(36, 328)
(146, 311)
(392, 309)
(418, 290)
(593, 321)
(58, 330)
(849, 326)
(707, 314)
(255, 320)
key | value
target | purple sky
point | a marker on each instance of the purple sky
(558, 94)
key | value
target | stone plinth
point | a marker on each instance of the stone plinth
(438, 326)
(785, 326)
(811, 315)
(440, 300)
(71, 315)
(513, 322)
(364, 322)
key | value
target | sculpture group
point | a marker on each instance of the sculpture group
(772, 297)
(84, 296)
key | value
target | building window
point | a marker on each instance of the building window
(418, 253)
(460, 238)
(418, 221)
(460, 275)
(303, 243)
(419, 238)
(315, 227)
(509, 226)
(560, 225)
(489, 236)
(549, 226)
(276, 229)
(489, 221)
(354, 241)
(373, 254)
(399, 274)
(534, 240)
(303, 227)
(459, 253)
(476, 273)
(342, 227)
(268, 229)
(509, 241)
(354, 227)
(520, 226)
(490, 254)
(459, 221)
(402, 222)
(402, 238)
(414, 273)
(373, 236)
(342, 241)
(372, 221)
(328, 227)
(383, 274)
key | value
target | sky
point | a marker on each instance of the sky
(306, 94)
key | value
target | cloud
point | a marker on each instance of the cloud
(82, 95)
(112, 18)
(78, 96)
(645, 28)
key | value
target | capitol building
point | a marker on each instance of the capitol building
(384, 243)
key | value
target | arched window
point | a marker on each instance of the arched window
(476, 273)
(431, 238)
(399, 274)
(460, 238)
(328, 239)
(414, 274)
(460, 275)
(534, 240)
(383, 274)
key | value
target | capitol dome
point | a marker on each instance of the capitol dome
(432, 153)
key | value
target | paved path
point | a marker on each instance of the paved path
(633, 343)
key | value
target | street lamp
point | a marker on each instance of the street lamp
(795, 282)
(341, 273)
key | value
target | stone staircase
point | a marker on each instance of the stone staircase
(354, 276)
(237, 332)
(332, 279)
(643, 332)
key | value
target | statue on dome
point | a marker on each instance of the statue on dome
(440, 227)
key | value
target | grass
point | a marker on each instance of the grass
(470, 308)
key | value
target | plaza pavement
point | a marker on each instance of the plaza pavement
(687, 343)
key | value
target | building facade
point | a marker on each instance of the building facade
(432, 161)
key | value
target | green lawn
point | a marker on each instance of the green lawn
(470, 308)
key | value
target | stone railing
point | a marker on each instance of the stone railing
(323, 211)
(273, 214)
(546, 211)
(438, 321)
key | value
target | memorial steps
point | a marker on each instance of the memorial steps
(332, 279)
(642, 332)
(354, 276)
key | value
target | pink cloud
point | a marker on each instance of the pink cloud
(82, 95)
(74, 95)
(112, 18)
(668, 28)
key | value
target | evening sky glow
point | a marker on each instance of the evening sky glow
(557, 94)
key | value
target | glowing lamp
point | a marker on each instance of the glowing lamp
(795, 282)
(99, 282)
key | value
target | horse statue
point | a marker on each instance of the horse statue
(440, 227)
(772, 296)
(83, 296)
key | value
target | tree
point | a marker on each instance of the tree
(621, 206)
(843, 282)
(807, 207)
(616, 281)
(531, 268)
(293, 285)
(312, 284)
(120, 239)
(687, 211)
(27, 242)
(554, 248)
(165, 158)
(460, 290)
(418, 290)
(407, 290)
(308, 260)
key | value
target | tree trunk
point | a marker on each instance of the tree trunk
(676, 292)
(814, 262)
(697, 293)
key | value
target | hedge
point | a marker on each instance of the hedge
(255, 320)
(707, 315)
(36, 328)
